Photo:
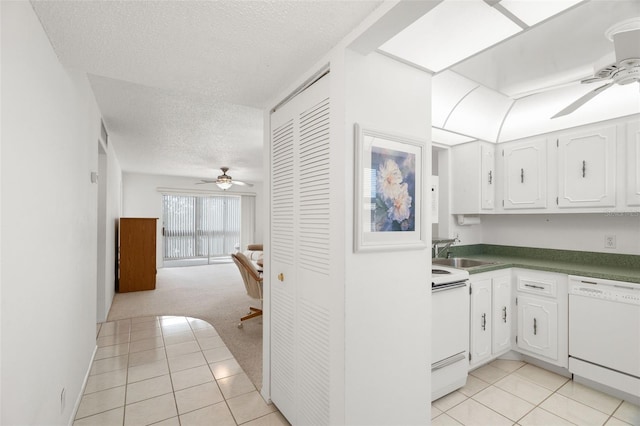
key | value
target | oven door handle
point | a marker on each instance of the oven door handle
(448, 361)
(451, 286)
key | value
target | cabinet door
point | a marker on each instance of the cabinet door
(525, 181)
(633, 163)
(137, 254)
(586, 168)
(487, 177)
(480, 319)
(501, 320)
(538, 326)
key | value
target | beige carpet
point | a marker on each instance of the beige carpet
(214, 293)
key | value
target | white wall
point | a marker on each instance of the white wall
(582, 232)
(141, 198)
(387, 294)
(50, 126)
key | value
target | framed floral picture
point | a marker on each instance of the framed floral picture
(389, 191)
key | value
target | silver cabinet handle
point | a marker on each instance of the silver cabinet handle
(539, 287)
(504, 314)
(490, 177)
(584, 168)
(535, 327)
(484, 322)
(521, 175)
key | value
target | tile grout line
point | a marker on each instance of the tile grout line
(126, 377)
(158, 324)
(224, 398)
(613, 412)
(538, 405)
(173, 389)
(114, 387)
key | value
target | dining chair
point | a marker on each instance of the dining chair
(252, 282)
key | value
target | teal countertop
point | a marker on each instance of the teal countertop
(618, 267)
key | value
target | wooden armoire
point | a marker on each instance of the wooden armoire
(137, 244)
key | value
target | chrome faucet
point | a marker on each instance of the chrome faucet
(447, 243)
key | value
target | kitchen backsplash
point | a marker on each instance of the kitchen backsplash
(580, 232)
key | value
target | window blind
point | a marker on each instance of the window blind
(201, 226)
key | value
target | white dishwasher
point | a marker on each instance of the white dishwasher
(604, 332)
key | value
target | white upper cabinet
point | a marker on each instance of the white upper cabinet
(474, 178)
(587, 168)
(487, 176)
(525, 174)
(633, 163)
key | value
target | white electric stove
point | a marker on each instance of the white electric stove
(449, 329)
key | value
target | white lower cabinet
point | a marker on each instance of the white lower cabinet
(501, 321)
(538, 326)
(490, 317)
(542, 303)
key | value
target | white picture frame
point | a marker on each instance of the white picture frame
(389, 187)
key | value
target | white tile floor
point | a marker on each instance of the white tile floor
(508, 392)
(169, 371)
(177, 371)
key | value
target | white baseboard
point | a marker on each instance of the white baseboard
(82, 388)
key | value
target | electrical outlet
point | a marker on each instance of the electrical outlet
(610, 241)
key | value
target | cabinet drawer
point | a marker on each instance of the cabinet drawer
(538, 286)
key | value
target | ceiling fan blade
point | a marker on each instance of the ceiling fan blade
(593, 80)
(237, 182)
(203, 181)
(583, 100)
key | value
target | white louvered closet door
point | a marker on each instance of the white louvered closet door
(300, 258)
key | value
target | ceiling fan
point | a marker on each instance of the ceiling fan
(224, 181)
(626, 70)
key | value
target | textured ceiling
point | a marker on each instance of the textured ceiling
(182, 84)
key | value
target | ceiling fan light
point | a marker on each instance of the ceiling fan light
(224, 184)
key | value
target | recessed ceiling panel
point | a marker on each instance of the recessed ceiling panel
(448, 88)
(480, 114)
(533, 11)
(562, 49)
(532, 115)
(451, 32)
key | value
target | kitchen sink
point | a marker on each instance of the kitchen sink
(459, 262)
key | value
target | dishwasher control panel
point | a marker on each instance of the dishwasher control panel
(615, 291)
